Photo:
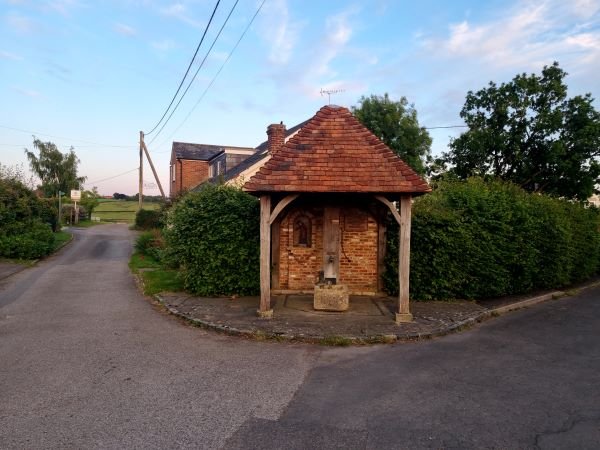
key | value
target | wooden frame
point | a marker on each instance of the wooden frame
(404, 220)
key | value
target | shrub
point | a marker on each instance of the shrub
(150, 243)
(475, 239)
(214, 235)
(147, 219)
(33, 242)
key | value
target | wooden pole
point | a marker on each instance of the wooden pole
(141, 184)
(265, 310)
(152, 167)
(403, 314)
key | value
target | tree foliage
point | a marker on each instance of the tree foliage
(25, 221)
(396, 124)
(57, 171)
(90, 200)
(527, 131)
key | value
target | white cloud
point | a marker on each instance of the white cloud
(279, 31)
(7, 55)
(20, 23)
(180, 12)
(63, 7)
(125, 30)
(28, 92)
(164, 46)
(529, 35)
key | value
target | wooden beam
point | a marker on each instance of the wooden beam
(403, 314)
(381, 249)
(152, 167)
(275, 256)
(265, 310)
(391, 207)
(281, 205)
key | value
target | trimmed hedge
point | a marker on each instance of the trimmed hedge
(214, 236)
(479, 239)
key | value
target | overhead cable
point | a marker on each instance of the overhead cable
(217, 74)
(188, 69)
(35, 133)
(197, 71)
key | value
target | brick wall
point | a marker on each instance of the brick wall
(194, 173)
(299, 266)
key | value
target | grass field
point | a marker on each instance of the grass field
(119, 210)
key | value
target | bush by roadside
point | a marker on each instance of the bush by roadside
(213, 235)
(147, 219)
(479, 239)
(23, 233)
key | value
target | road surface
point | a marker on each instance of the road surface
(87, 362)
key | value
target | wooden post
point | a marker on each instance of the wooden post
(275, 249)
(141, 185)
(265, 310)
(152, 167)
(403, 314)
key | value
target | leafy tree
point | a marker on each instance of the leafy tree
(527, 131)
(396, 124)
(56, 170)
(89, 200)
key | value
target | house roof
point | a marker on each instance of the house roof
(261, 153)
(334, 152)
(200, 152)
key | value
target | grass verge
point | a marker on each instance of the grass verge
(60, 239)
(155, 278)
(161, 280)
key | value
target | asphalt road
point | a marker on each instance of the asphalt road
(87, 362)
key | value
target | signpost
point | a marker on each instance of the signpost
(76, 196)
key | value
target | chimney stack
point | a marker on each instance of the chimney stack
(276, 137)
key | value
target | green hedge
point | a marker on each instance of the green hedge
(479, 239)
(214, 236)
(148, 219)
(25, 222)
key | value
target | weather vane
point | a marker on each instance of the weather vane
(329, 92)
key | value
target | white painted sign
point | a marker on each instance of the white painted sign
(75, 195)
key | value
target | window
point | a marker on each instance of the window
(173, 173)
(302, 231)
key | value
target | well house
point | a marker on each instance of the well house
(325, 196)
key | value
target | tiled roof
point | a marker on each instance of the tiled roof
(201, 152)
(261, 153)
(334, 152)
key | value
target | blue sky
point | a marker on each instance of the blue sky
(92, 74)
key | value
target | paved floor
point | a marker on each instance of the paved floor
(368, 319)
(87, 362)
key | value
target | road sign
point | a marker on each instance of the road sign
(75, 195)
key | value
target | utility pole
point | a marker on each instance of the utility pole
(141, 185)
(152, 166)
(144, 149)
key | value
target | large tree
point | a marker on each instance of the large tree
(396, 124)
(57, 171)
(527, 131)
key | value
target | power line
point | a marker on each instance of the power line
(197, 71)
(188, 69)
(35, 133)
(447, 126)
(216, 75)
(110, 178)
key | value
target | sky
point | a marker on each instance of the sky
(92, 74)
